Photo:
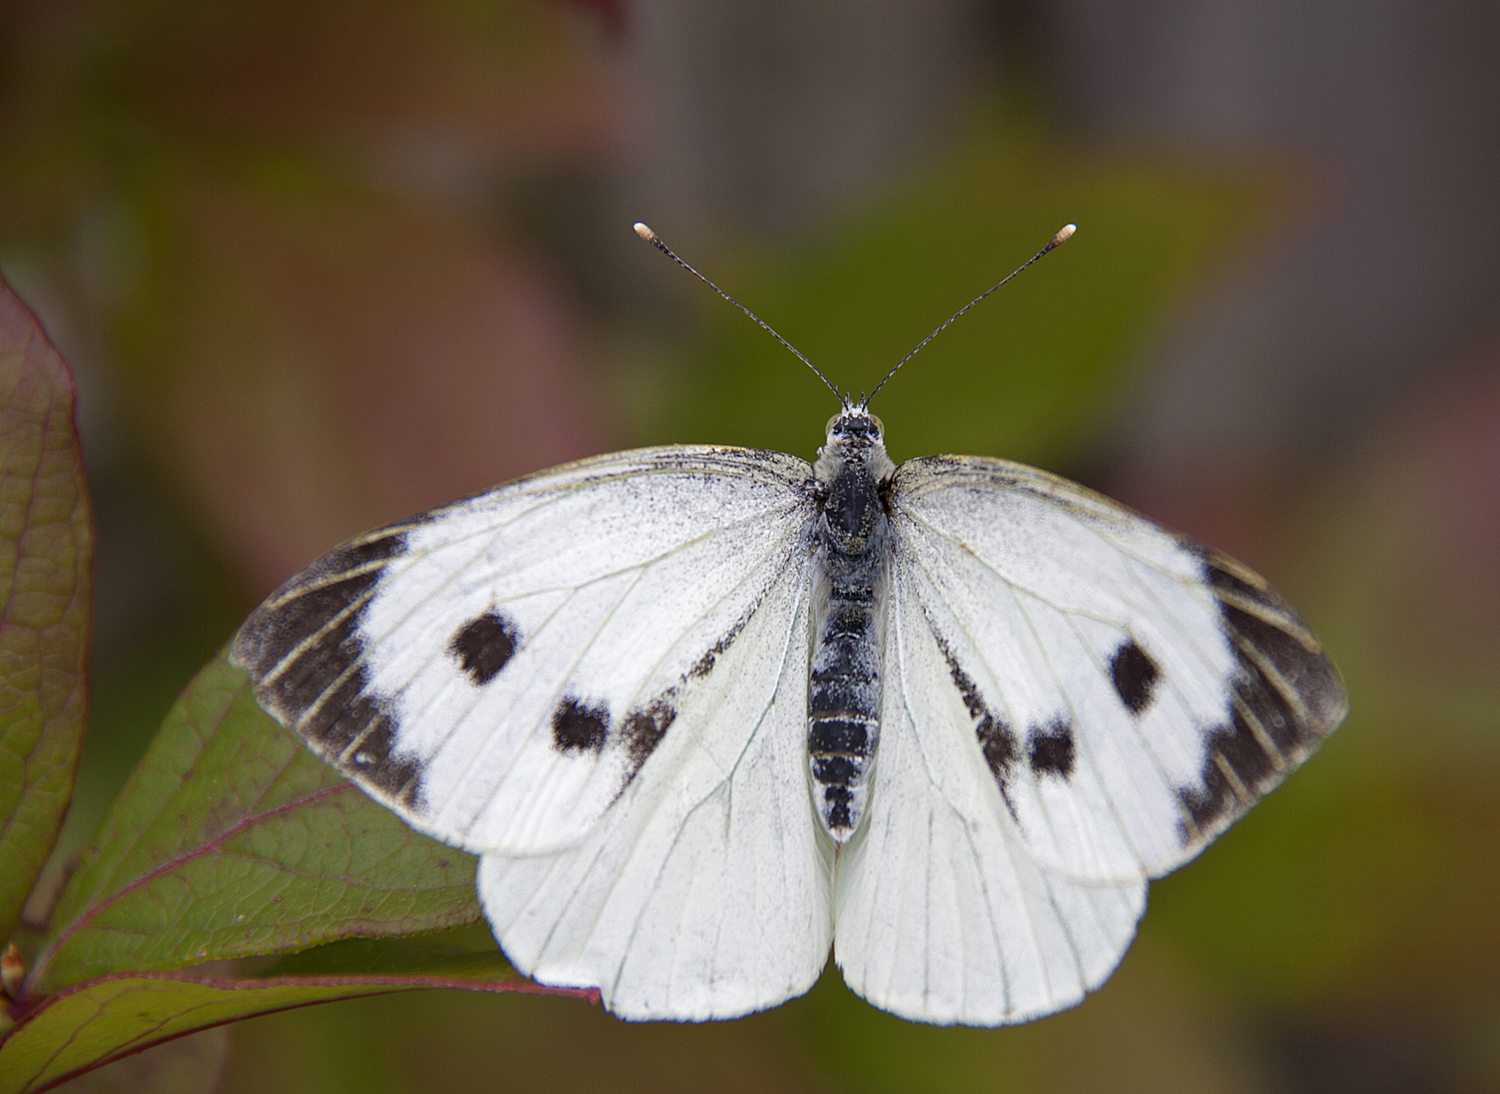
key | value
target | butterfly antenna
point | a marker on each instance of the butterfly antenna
(645, 232)
(1061, 236)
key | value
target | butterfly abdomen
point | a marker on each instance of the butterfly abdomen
(844, 686)
(844, 700)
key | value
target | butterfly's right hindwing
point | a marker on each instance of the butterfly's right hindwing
(499, 671)
(943, 915)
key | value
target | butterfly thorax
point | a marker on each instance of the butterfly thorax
(849, 619)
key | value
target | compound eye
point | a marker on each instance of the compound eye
(858, 425)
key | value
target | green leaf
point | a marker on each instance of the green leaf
(94, 1024)
(231, 839)
(45, 546)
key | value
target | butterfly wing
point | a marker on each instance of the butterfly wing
(706, 890)
(942, 913)
(1075, 701)
(1130, 692)
(500, 670)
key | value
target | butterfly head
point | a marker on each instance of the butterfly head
(856, 427)
(854, 435)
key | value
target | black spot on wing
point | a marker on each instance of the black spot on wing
(1051, 749)
(704, 665)
(1134, 675)
(996, 739)
(578, 727)
(644, 729)
(484, 645)
(998, 744)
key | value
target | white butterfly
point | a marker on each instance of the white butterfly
(703, 712)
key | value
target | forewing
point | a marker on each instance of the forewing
(705, 891)
(1129, 692)
(943, 915)
(498, 671)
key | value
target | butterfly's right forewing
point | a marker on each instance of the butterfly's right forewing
(1129, 692)
(501, 670)
(1076, 701)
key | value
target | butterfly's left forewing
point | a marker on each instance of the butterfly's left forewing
(499, 671)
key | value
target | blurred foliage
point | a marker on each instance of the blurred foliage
(306, 258)
(1034, 371)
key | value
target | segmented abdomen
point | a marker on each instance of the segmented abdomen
(844, 695)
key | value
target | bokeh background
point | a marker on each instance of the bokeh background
(321, 264)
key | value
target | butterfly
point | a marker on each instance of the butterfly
(705, 713)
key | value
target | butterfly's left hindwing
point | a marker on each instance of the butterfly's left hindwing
(705, 891)
(1127, 693)
(500, 670)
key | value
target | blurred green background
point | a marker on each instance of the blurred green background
(321, 264)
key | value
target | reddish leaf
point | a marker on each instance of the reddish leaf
(45, 560)
(114, 1016)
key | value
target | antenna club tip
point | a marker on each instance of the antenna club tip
(1064, 234)
(643, 230)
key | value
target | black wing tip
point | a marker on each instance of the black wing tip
(1287, 697)
(304, 655)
